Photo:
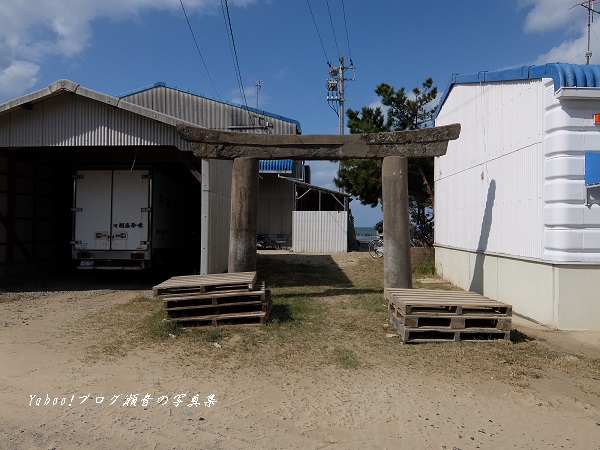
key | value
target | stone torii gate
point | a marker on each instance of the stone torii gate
(393, 147)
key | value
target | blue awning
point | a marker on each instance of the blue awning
(592, 168)
(276, 165)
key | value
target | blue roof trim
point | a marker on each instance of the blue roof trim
(563, 75)
(247, 108)
(276, 165)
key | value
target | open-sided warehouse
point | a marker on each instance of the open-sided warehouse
(54, 141)
(517, 195)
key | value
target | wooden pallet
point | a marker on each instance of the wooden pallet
(209, 304)
(238, 318)
(435, 302)
(450, 321)
(421, 315)
(187, 284)
(214, 298)
(417, 335)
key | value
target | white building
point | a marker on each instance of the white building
(518, 194)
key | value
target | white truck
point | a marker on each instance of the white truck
(128, 219)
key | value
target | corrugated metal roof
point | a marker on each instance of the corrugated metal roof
(276, 165)
(563, 75)
(247, 108)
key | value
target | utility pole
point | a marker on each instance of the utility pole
(335, 93)
(336, 88)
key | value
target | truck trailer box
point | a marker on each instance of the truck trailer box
(128, 218)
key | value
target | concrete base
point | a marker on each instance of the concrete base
(562, 296)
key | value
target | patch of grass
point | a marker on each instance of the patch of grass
(325, 314)
(209, 333)
(349, 327)
(345, 358)
(155, 327)
(296, 308)
(424, 268)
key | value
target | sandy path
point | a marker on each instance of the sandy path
(44, 350)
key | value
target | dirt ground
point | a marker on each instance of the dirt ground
(72, 360)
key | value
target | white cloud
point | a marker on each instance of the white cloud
(33, 30)
(569, 19)
(19, 76)
(322, 173)
(572, 51)
(550, 15)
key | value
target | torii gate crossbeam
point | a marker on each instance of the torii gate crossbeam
(394, 147)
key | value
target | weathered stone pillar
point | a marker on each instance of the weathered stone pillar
(396, 222)
(244, 215)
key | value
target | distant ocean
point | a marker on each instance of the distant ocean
(365, 234)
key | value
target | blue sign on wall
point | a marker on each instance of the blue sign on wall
(592, 168)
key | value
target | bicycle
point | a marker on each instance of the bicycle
(376, 248)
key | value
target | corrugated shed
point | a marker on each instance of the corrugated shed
(68, 120)
(320, 231)
(210, 113)
(489, 183)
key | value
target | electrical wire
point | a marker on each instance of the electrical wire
(198, 49)
(235, 56)
(318, 34)
(333, 29)
(347, 38)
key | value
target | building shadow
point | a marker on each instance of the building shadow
(298, 269)
(484, 236)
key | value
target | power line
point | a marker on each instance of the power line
(199, 52)
(333, 29)
(236, 61)
(318, 34)
(347, 38)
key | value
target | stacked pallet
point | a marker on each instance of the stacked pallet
(421, 315)
(227, 298)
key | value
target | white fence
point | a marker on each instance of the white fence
(320, 231)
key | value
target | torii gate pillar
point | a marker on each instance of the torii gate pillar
(244, 215)
(397, 272)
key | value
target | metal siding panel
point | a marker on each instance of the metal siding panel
(320, 231)
(203, 111)
(489, 184)
(216, 213)
(68, 120)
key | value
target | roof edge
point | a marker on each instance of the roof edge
(60, 87)
(236, 105)
(563, 75)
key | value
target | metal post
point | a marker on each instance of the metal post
(341, 91)
(244, 215)
(396, 257)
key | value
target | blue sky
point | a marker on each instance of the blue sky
(115, 46)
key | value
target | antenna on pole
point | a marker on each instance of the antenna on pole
(258, 85)
(589, 5)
